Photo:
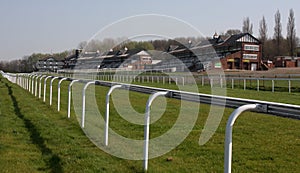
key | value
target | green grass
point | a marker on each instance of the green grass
(34, 137)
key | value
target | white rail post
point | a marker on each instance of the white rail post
(45, 86)
(24, 81)
(146, 126)
(58, 93)
(290, 86)
(257, 84)
(107, 112)
(51, 82)
(221, 81)
(232, 83)
(32, 84)
(83, 102)
(40, 86)
(228, 134)
(36, 85)
(69, 97)
(244, 84)
(29, 82)
(273, 87)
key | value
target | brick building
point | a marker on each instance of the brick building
(240, 51)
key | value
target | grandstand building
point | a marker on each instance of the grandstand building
(240, 51)
(236, 52)
(49, 64)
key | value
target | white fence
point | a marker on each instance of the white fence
(286, 83)
(26, 81)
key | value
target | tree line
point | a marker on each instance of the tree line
(277, 44)
(27, 63)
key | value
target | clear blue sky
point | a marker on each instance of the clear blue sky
(33, 26)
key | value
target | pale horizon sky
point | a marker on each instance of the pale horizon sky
(40, 26)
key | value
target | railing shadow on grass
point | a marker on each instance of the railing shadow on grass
(52, 160)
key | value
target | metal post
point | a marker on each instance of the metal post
(107, 112)
(45, 87)
(40, 86)
(51, 82)
(29, 82)
(290, 86)
(83, 102)
(36, 85)
(244, 84)
(257, 84)
(273, 86)
(221, 81)
(228, 134)
(58, 93)
(69, 97)
(146, 126)
(32, 84)
(232, 83)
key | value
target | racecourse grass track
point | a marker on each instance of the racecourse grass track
(34, 137)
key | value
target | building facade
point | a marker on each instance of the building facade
(239, 52)
(51, 64)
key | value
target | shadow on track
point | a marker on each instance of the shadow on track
(52, 160)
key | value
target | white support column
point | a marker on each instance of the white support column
(228, 134)
(40, 86)
(58, 93)
(36, 85)
(273, 86)
(69, 97)
(83, 102)
(290, 85)
(32, 83)
(147, 125)
(45, 86)
(107, 112)
(51, 82)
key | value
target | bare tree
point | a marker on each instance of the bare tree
(278, 33)
(247, 26)
(263, 31)
(82, 45)
(231, 32)
(291, 33)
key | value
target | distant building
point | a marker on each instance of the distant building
(138, 61)
(240, 51)
(50, 63)
(71, 60)
(134, 59)
(287, 61)
(298, 51)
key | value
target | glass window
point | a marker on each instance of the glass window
(251, 47)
